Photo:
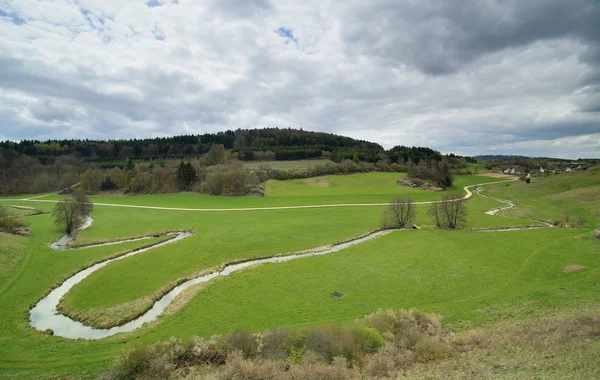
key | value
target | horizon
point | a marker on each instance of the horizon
(483, 78)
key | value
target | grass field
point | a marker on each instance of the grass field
(346, 189)
(472, 278)
(286, 165)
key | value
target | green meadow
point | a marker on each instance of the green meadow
(324, 190)
(473, 278)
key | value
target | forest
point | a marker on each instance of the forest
(213, 162)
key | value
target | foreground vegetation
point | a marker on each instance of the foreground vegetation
(395, 343)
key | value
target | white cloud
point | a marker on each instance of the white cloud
(473, 79)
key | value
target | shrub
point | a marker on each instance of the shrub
(320, 371)
(273, 344)
(429, 348)
(565, 219)
(231, 181)
(382, 363)
(243, 342)
(597, 234)
(320, 343)
(382, 321)
(238, 367)
(133, 364)
(11, 224)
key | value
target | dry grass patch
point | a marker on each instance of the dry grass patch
(573, 268)
(564, 347)
(318, 182)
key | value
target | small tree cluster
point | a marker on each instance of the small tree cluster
(399, 213)
(437, 172)
(450, 212)
(69, 214)
(186, 175)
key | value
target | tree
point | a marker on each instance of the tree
(435, 213)
(91, 181)
(450, 212)
(69, 214)
(216, 154)
(186, 175)
(399, 214)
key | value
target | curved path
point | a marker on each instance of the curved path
(44, 315)
(467, 190)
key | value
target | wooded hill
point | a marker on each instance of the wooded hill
(281, 144)
(153, 165)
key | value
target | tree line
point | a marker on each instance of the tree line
(288, 144)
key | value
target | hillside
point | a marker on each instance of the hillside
(573, 195)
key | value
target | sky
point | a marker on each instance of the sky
(463, 76)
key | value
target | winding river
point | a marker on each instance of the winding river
(44, 316)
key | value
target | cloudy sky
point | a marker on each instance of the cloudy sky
(463, 76)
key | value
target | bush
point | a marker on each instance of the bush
(597, 234)
(383, 363)
(133, 364)
(319, 343)
(231, 181)
(429, 348)
(332, 352)
(243, 342)
(11, 224)
(274, 344)
(240, 368)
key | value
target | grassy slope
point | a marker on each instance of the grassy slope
(469, 277)
(564, 346)
(548, 198)
(459, 265)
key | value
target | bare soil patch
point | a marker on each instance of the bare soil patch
(498, 175)
(573, 268)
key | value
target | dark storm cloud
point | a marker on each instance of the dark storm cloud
(441, 37)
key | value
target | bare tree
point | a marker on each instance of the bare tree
(69, 214)
(450, 212)
(399, 214)
(436, 214)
